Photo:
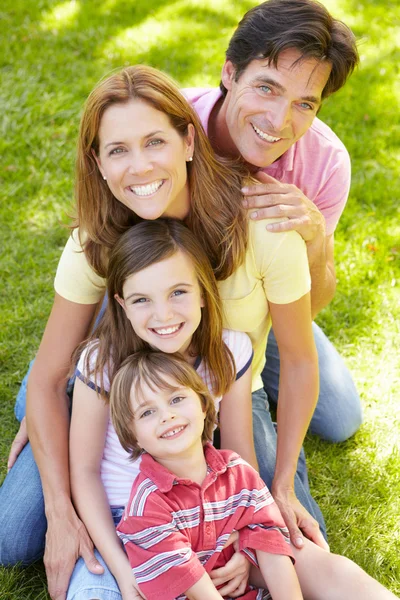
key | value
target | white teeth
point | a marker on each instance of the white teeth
(146, 190)
(265, 136)
(167, 330)
(172, 432)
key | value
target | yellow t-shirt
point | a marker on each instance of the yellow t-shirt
(275, 269)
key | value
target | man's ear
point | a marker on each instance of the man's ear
(228, 74)
(98, 162)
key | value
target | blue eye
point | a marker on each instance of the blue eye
(118, 150)
(146, 413)
(306, 106)
(265, 88)
(177, 399)
(140, 301)
(178, 292)
(156, 142)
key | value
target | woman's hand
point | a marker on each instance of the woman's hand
(298, 520)
(234, 574)
(19, 443)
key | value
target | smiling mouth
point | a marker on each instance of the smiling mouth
(264, 136)
(167, 330)
(173, 432)
(148, 189)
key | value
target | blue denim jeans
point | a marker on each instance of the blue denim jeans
(337, 416)
(84, 585)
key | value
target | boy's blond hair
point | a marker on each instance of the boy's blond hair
(154, 369)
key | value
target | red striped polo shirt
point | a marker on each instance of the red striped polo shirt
(174, 530)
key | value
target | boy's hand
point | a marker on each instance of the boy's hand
(235, 574)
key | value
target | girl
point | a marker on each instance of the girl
(162, 294)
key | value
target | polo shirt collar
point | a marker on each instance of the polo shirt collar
(165, 480)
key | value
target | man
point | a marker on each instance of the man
(276, 74)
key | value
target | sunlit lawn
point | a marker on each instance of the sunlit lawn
(51, 55)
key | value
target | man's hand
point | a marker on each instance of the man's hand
(234, 574)
(66, 540)
(20, 441)
(298, 520)
(272, 199)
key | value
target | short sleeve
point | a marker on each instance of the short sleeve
(282, 263)
(239, 344)
(84, 370)
(160, 554)
(332, 196)
(75, 280)
(263, 527)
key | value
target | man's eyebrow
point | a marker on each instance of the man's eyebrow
(149, 135)
(269, 81)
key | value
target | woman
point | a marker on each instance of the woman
(142, 153)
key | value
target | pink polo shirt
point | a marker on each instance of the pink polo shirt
(318, 163)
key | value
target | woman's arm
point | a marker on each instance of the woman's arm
(298, 394)
(48, 425)
(89, 422)
(236, 420)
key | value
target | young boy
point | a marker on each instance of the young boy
(189, 497)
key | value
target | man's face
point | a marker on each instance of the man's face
(268, 109)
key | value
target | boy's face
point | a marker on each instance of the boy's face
(167, 422)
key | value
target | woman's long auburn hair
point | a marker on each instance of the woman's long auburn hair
(142, 245)
(216, 216)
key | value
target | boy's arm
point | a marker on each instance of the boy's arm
(204, 589)
(279, 576)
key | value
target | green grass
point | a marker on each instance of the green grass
(51, 55)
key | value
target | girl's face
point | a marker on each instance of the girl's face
(163, 303)
(143, 159)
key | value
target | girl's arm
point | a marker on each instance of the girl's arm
(236, 420)
(279, 575)
(48, 425)
(90, 416)
(298, 394)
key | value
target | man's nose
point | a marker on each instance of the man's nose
(280, 116)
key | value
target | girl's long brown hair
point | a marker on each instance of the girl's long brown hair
(216, 216)
(114, 340)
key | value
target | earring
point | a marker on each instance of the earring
(105, 178)
(190, 159)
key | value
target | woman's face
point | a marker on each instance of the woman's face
(143, 159)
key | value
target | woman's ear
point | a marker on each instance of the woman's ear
(190, 142)
(98, 162)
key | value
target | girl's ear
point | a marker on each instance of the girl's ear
(98, 162)
(120, 301)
